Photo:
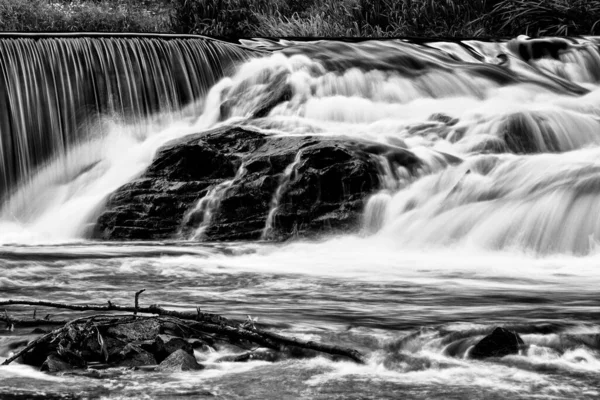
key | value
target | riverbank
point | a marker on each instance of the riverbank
(292, 18)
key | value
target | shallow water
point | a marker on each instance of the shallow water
(401, 307)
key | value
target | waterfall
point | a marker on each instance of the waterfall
(55, 89)
(507, 132)
(208, 206)
(287, 176)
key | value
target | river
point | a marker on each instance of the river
(507, 236)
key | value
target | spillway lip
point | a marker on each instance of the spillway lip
(103, 34)
(123, 35)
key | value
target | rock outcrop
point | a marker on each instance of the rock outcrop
(501, 342)
(135, 343)
(254, 186)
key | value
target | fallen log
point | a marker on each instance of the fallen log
(197, 324)
(152, 309)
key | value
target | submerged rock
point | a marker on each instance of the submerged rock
(254, 186)
(179, 360)
(501, 342)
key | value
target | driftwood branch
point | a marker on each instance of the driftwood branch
(137, 304)
(197, 320)
(152, 309)
(321, 347)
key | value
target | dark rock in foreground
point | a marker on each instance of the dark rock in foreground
(55, 364)
(501, 342)
(125, 342)
(165, 346)
(319, 184)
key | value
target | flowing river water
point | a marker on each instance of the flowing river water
(499, 227)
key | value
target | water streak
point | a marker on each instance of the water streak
(476, 114)
(208, 206)
(284, 181)
(55, 88)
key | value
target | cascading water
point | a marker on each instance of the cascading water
(496, 225)
(287, 176)
(54, 89)
(201, 216)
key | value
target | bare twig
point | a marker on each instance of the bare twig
(152, 309)
(137, 304)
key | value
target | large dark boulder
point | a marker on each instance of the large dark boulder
(501, 342)
(319, 183)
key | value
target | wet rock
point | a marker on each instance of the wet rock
(201, 345)
(91, 349)
(179, 360)
(89, 373)
(38, 355)
(165, 345)
(262, 354)
(320, 184)
(55, 363)
(483, 144)
(134, 356)
(146, 329)
(501, 342)
(443, 118)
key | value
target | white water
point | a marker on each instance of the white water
(288, 175)
(479, 237)
(208, 205)
(60, 202)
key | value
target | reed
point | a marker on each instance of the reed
(549, 17)
(329, 18)
(82, 15)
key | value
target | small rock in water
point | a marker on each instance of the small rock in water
(443, 118)
(501, 342)
(165, 345)
(200, 345)
(54, 363)
(180, 360)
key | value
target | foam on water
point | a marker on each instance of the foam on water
(460, 101)
(60, 202)
(498, 225)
